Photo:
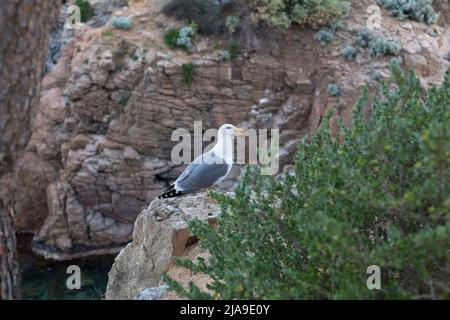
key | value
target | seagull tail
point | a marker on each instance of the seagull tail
(172, 192)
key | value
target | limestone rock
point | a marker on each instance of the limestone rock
(160, 232)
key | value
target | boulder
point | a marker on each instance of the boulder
(160, 233)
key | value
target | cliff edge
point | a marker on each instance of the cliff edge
(160, 233)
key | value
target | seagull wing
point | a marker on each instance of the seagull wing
(202, 173)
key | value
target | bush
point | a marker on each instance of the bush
(170, 38)
(232, 23)
(419, 10)
(206, 13)
(86, 10)
(234, 49)
(188, 73)
(379, 195)
(334, 90)
(123, 23)
(377, 44)
(186, 36)
(396, 60)
(124, 101)
(349, 52)
(376, 75)
(324, 36)
(182, 38)
(313, 13)
(224, 55)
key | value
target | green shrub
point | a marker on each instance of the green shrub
(232, 23)
(124, 101)
(181, 38)
(334, 90)
(334, 25)
(376, 75)
(224, 55)
(234, 49)
(186, 37)
(284, 13)
(206, 13)
(419, 10)
(396, 60)
(349, 52)
(170, 38)
(188, 73)
(123, 23)
(380, 195)
(377, 44)
(86, 10)
(324, 36)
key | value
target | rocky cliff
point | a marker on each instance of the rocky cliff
(100, 144)
(160, 233)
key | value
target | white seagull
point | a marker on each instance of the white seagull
(208, 169)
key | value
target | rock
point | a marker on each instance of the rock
(130, 154)
(152, 293)
(160, 233)
(59, 38)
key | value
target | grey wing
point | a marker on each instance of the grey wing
(200, 175)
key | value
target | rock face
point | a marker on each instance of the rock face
(160, 233)
(152, 293)
(100, 146)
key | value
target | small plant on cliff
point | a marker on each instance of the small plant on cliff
(419, 10)
(188, 73)
(349, 52)
(123, 23)
(232, 23)
(234, 49)
(224, 55)
(181, 38)
(377, 44)
(124, 101)
(396, 60)
(86, 10)
(379, 195)
(376, 75)
(170, 38)
(324, 36)
(334, 90)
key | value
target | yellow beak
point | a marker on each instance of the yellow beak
(239, 131)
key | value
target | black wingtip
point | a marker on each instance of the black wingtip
(172, 193)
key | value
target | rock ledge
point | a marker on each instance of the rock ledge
(160, 233)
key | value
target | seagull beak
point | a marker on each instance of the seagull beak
(239, 131)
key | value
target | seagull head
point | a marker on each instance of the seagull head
(228, 130)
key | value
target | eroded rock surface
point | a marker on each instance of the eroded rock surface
(160, 233)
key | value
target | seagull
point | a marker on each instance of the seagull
(210, 168)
